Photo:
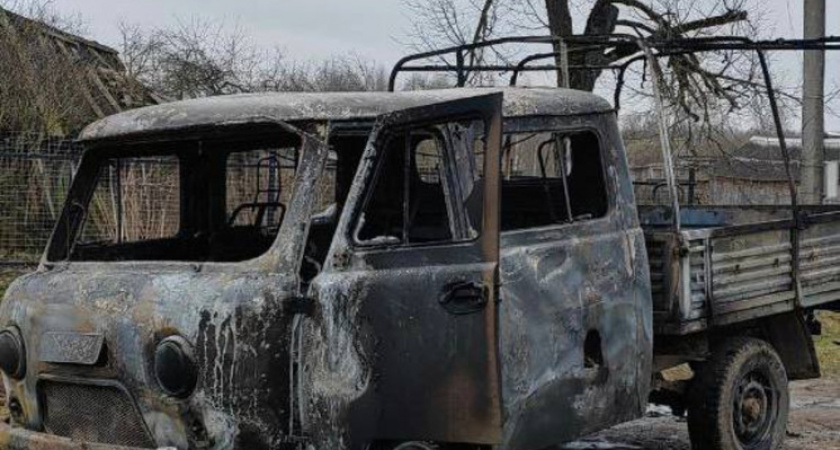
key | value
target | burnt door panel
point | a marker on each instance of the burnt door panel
(575, 318)
(408, 330)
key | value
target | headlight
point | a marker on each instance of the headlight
(175, 367)
(12, 355)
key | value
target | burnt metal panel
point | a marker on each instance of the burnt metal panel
(385, 360)
(237, 317)
(238, 109)
(558, 285)
(71, 348)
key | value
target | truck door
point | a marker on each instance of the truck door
(576, 319)
(405, 345)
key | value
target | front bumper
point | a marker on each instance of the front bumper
(12, 438)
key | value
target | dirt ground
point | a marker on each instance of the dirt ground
(814, 422)
(814, 425)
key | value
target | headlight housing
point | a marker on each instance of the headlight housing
(175, 368)
(12, 353)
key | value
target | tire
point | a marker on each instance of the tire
(739, 399)
(419, 445)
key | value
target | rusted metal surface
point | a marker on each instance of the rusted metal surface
(385, 360)
(13, 438)
(237, 317)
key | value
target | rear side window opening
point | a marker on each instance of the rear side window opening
(551, 178)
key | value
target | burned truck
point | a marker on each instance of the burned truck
(462, 268)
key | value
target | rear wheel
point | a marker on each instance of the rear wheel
(417, 446)
(739, 399)
(422, 445)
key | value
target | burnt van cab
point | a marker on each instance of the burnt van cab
(265, 271)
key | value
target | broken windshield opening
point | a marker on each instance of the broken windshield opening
(197, 201)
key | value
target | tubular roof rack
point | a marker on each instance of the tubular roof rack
(573, 44)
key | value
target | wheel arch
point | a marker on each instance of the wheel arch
(789, 335)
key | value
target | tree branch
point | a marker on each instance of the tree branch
(710, 22)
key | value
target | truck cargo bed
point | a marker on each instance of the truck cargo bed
(734, 264)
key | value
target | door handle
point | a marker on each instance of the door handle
(464, 297)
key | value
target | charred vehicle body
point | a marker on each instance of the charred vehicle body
(398, 270)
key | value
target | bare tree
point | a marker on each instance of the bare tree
(696, 81)
(195, 58)
(199, 58)
(352, 73)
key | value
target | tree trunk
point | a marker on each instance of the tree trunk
(559, 24)
(602, 21)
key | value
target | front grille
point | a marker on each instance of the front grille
(93, 413)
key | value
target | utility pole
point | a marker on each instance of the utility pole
(813, 114)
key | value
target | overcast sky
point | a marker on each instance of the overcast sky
(315, 29)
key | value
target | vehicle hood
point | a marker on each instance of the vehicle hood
(238, 325)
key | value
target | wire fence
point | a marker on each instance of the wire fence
(35, 175)
(135, 199)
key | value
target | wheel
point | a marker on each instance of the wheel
(421, 445)
(739, 399)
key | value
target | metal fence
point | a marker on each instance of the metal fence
(35, 175)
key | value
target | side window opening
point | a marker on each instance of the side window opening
(551, 178)
(384, 215)
(258, 187)
(202, 201)
(427, 187)
(430, 212)
(135, 200)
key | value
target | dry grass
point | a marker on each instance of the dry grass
(828, 345)
(6, 278)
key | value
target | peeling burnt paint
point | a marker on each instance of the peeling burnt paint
(376, 358)
(558, 285)
(239, 328)
(294, 107)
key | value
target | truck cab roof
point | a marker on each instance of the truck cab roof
(332, 106)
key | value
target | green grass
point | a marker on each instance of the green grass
(828, 345)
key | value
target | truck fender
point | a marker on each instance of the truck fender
(788, 334)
